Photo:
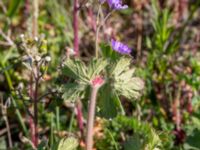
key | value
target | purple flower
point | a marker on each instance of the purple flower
(120, 47)
(115, 4)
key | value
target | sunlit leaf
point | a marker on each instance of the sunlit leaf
(69, 143)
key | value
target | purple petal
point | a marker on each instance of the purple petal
(120, 47)
(115, 4)
(119, 6)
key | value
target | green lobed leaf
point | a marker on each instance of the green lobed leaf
(75, 69)
(120, 66)
(73, 91)
(96, 66)
(129, 88)
(151, 140)
(107, 102)
(69, 143)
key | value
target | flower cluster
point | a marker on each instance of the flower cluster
(115, 4)
(120, 47)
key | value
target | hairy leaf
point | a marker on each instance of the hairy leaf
(96, 66)
(72, 91)
(69, 143)
(76, 70)
(120, 66)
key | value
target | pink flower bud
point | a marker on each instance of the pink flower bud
(98, 81)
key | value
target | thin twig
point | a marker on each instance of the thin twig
(98, 29)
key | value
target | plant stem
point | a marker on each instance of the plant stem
(8, 132)
(7, 75)
(80, 116)
(90, 119)
(71, 121)
(52, 129)
(113, 139)
(97, 33)
(36, 113)
(35, 18)
(75, 27)
(98, 29)
(58, 118)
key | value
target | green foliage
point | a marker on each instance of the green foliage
(163, 44)
(120, 77)
(139, 135)
(150, 137)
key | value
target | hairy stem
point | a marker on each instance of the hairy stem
(90, 119)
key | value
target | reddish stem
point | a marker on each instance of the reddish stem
(75, 27)
(96, 83)
(33, 121)
(90, 119)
